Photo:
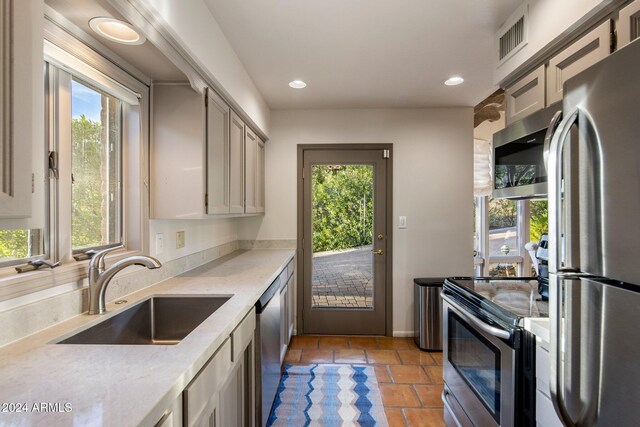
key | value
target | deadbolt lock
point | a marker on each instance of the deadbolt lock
(380, 237)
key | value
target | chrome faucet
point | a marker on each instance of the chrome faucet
(99, 276)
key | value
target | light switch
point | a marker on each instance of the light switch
(402, 222)
(159, 243)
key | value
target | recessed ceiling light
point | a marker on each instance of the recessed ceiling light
(116, 30)
(297, 84)
(454, 81)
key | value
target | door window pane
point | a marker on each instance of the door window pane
(503, 227)
(342, 236)
(96, 167)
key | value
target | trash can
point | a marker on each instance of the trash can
(428, 313)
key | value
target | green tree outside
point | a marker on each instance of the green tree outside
(342, 206)
(14, 244)
(539, 222)
(88, 151)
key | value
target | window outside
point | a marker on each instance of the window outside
(96, 194)
(16, 245)
(342, 236)
(503, 228)
(539, 219)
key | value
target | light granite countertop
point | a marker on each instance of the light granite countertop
(128, 385)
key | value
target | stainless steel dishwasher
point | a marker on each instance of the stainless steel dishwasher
(268, 368)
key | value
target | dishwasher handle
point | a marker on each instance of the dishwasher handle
(261, 304)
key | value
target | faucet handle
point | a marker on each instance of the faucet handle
(97, 257)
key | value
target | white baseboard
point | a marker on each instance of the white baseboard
(403, 334)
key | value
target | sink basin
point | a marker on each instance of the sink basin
(155, 321)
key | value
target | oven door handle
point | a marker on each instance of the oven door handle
(445, 400)
(496, 332)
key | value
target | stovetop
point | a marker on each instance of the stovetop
(510, 299)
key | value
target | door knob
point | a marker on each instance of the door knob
(378, 252)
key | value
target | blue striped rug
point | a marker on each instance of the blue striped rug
(328, 395)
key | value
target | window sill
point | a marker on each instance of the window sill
(14, 285)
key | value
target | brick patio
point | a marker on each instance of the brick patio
(343, 279)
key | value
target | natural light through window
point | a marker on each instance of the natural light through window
(96, 167)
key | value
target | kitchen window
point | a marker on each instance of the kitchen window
(96, 167)
(19, 245)
(502, 229)
(86, 123)
(96, 149)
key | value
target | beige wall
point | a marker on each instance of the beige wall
(432, 186)
(199, 236)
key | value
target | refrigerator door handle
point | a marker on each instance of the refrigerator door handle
(551, 130)
(556, 352)
(570, 349)
(555, 264)
(555, 191)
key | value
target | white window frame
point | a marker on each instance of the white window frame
(483, 260)
(70, 54)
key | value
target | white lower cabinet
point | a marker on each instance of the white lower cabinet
(291, 300)
(284, 337)
(545, 413)
(221, 394)
(291, 312)
(287, 309)
(232, 398)
(172, 416)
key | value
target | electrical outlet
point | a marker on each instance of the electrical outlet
(180, 240)
(402, 222)
(159, 243)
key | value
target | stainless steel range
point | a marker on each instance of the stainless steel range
(489, 359)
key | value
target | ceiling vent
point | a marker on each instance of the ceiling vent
(512, 36)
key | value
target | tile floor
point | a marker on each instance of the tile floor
(410, 380)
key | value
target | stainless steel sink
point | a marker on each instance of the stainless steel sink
(155, 321)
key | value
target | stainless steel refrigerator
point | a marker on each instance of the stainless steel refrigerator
(594, 214)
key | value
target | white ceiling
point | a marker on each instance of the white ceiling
(145, 57)
(365, 53)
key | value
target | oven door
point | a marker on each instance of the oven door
(478, 367)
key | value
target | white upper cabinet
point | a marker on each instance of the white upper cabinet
(21, 107)
(526, 96)
(629, 24)
(260, 177)
(250, 164)
(579, 56)
(236, 168)
(217, 155)
(198, 157)
(177, 153)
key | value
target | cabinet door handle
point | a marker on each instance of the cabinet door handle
(378, 252)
